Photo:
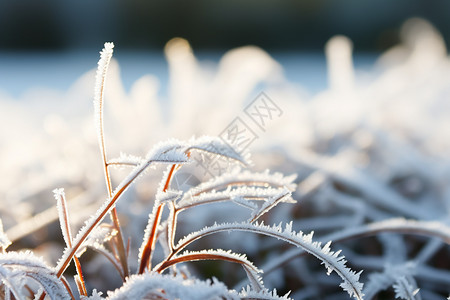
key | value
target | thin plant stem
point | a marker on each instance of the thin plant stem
(150, 245)
(146, 259)
(114, 217)
(65, 226)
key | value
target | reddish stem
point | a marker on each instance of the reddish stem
(148, 249)
(150, 245)
(83, 290)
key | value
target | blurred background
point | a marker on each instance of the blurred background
(273, 25)
(57, 34)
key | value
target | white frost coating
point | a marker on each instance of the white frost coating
(244, 202)
(140, 286)
(126, 160)
(405, 290)
(168, 196)
(248, 293)
(217, 146)
(331, 259)
(97, 238)
(239, 177)
(23, 258)
(63, 215)
(254, 278)
(4, 240)
(11, 282)
(58, 193)
(170, 151)
(23, 265)
(95, 296)
(381, 281)
(283, 195)
(235, 194)
(164, 178)
(103, 63)
(51, 284)
(148, 229)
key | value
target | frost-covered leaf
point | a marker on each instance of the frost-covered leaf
(241, 195)
(405, 290)
(171, 151)
(219, 254)
(25, 265)
(331, 259)
(248, 293)
(238, 177)
(171, 287)
(217, 146)
(63, 214)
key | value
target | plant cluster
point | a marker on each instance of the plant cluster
(372, 226)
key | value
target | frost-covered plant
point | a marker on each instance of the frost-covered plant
(258, 192)
(371, 179)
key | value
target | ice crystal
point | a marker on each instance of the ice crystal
(248, 293)
(405, 290)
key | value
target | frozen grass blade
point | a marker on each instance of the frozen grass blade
(149, 242)
(100, 81)
(331, 259)
(219, 254)
(105, 58)
(239, 177)
(63, 213)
